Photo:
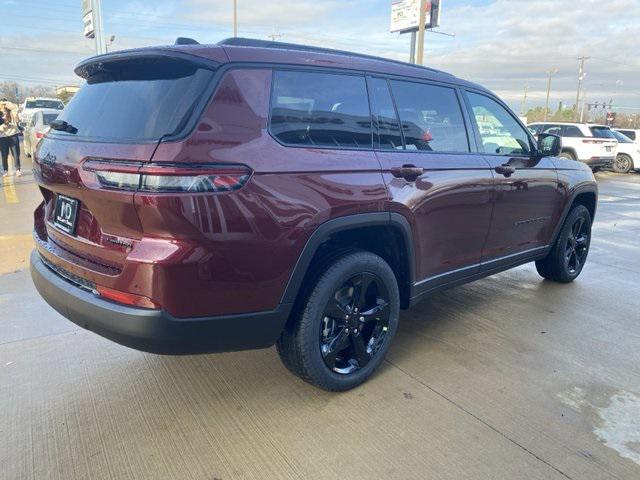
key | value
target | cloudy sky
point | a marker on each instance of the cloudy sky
(506, 45)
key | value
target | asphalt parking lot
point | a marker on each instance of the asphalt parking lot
(511, 377)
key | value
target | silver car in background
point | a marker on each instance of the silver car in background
(36, 128)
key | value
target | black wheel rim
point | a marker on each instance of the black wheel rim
(355, 323)
(577, 246)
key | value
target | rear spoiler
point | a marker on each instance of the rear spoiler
(100, 63)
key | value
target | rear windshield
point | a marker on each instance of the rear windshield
(137, 100)
(58, 105)
(601, 132)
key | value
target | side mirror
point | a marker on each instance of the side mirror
(549, 145)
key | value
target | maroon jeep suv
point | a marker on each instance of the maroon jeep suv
(208, 198)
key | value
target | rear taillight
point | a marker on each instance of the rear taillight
(169, 178)
(39, 135)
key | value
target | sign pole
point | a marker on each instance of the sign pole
(421, 28)
(97, 18)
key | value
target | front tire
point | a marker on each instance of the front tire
(569, 254)
(622, 164)
(346, 324)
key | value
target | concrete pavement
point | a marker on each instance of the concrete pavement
(510, 377)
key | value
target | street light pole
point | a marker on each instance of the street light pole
(546, 107)
(580, 78)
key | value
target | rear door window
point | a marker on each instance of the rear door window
(431, 117)
(139, 100)
(320, 110)
(571, 131)
(553, 129)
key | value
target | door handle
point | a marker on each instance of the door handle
(505, 169)
(408, 172)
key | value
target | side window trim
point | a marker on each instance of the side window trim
(474, 146)
(375, 132)
(532, 143)
(321, 70)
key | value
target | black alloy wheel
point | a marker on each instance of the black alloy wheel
(343, 326)
(354, 323)
(569, 252)
(577, 246)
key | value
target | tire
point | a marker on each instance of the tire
(622, 164)
(567, 155)
(569, 254)
(329, 317)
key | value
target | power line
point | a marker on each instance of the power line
(44, 50)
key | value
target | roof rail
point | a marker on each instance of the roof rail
(186, 41)
(252, 42)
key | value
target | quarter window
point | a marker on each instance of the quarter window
(320, 109)
(431, 117)
(500, 132)
(629, 133)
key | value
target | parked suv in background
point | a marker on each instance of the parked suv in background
(592, 144)
(232, 196)
(33, 104)
(628, 154)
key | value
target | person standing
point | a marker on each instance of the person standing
(9, 140)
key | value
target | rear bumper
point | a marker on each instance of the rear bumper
(156, 331)
(599, 162)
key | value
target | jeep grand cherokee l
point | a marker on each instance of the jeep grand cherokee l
(234, 196)
(592, 144)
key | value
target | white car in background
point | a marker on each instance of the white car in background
(592, 144)
(628, 157)
(37, 127)
(33, 104)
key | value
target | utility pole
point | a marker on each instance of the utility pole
(421, 28)
(235, 18)
(546, 107)
(524, 100)
(584, 104)
(580, 78)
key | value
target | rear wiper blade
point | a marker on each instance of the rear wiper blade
(63, 126)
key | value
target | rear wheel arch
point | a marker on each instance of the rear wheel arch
(385, 234)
